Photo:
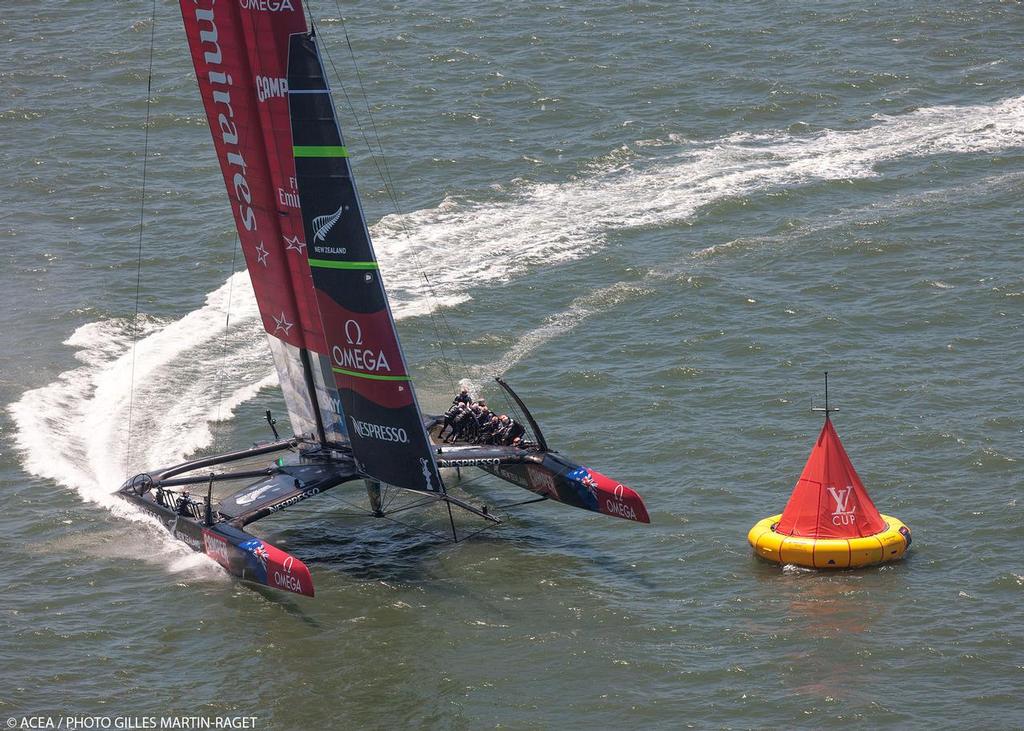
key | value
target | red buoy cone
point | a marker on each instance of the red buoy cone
(829, 500)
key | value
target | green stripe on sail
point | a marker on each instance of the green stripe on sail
(330, 264)
(320, 151)
(372, 377)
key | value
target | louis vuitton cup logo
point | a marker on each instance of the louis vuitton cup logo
(322, 225)
(425, 467)
(843, 514)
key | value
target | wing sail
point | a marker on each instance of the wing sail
(385, 425)
(240, 53)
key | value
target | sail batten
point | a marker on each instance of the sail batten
(386, 429)
(328, 264)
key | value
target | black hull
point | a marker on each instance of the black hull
(545, 473)
(241, 554)
(218, 531)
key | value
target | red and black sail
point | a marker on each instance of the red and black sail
(384, 422)
(240, 53)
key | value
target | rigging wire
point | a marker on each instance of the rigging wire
(391, 191)
(227, 324)
(385, 176)
(142, 220)
(389, 187)
(407, 526)
(448, 327)
(384, 172)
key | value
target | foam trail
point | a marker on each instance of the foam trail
(865, 215)
(187, 374)
(557, 325)
(73, 430)
(609, 297)
(657, 183)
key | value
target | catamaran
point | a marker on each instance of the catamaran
(345, 381)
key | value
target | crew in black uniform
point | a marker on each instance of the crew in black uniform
(184, 505)
(514, 433)
(489, 430)
(472, 421)
(483, 418)
(503, 424)
(449, 417)
(471, 427)
(462, 420)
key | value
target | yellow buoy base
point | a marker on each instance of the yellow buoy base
(830, 553)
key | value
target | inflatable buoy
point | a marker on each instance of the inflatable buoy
(830, 553)
(829, 521)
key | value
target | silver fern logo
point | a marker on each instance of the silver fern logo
(322, 225)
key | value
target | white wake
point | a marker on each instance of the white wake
(189, 373)
(656, 183)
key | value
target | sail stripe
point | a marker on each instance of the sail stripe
(371, 376)
(320, 151)
(329, 264)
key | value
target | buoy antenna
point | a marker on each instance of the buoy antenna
(828, 409)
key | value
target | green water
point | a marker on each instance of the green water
(661, 223)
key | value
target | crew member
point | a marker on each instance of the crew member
(503, 424)
(483, 418)
(184, 505)
(471, 427)
(449, 418)
(514, 433)
(462, 420)
(460, 409)
(489, 430)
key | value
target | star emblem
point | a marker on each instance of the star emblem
(262, 254)
(281, 323)
(293, 243)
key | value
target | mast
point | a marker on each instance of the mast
(388, 437)
(307, 370)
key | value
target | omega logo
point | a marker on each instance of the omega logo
(353, 332)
